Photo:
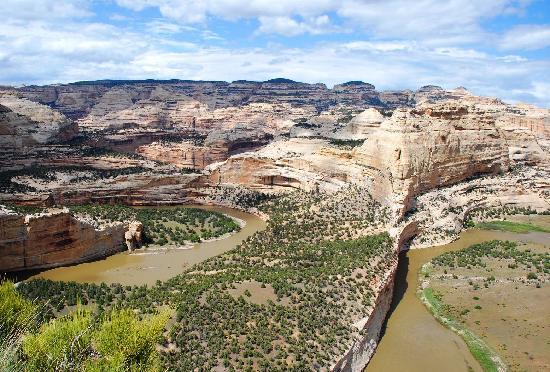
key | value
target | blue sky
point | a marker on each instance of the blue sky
(492, 47)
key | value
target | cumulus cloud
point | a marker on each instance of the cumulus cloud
(403, 18)
(393, 45)
(380, 46)
(526, 37)
(288, 26)
(198, 11)
(388, 18)
(44, 9)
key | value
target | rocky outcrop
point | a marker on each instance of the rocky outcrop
(434, 145)
(133, 236)
(440, 214)
(25, 124)
(393, 99)
(414, 151)
(121, 114)
(57, 238)
(99, 98)
(307, 164)
(183, 155)
(363, 124)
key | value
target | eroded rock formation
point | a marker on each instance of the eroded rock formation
(57, 238)
(25, 124)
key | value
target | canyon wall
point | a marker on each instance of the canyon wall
(436, 145)
(80, 99)
(357, 358)
(56, 238)
(25, 124)
(421, 149)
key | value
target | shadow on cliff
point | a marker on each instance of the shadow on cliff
(399, 289)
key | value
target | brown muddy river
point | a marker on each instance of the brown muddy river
(413, 339)
(147, 265)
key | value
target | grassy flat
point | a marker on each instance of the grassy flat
(515, 227)
(495, 295)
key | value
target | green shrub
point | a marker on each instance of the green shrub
(16, 313)
(531, 276)
(126, 343)
(17, 316)
(60, 344)
(515, 227)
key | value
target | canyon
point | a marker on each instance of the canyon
(429, 157)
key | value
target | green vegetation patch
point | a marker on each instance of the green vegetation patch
(487, 273)
(474, 256)
(117, 340)
(24, 209)
(347, 144)
(515, 227)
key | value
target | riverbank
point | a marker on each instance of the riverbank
(465, 289)
(148, 265)
(489, 360)
(410, 327)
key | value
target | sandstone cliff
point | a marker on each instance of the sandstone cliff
(184, 155)
(434, 145)
(57, 238)
(414, 151)
(100, 98)
(25, 124)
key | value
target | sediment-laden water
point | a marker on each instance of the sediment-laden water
(146, 266)
(413, 339)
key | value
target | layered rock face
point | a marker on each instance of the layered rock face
(25, 124)
(183, 155)
(363, 125)
(414, 151)
(77, 100)
(308, 164)
(421, 149)
(434, 145)
(56, 238)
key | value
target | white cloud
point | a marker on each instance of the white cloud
(403, 18)
(433, 19)
(159, 26)
(288, 26)
(379, 46)
(460, 53)
(43, 9)
(198, 11)
(526, 37)
(512, 58)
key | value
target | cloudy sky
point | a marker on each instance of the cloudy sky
(492, 47)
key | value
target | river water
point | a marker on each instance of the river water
(413, 339)
(146, 266)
